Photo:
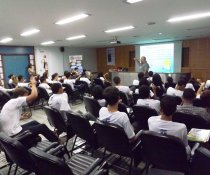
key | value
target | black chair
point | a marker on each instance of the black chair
(83, 86)
(98, 81)
(56, 120)
(124, 98)
(142, 114)
(72, 94)
(4, 98)
(123, 108)
(164, 152)
(92, 106)
(43, 95)
(135, 98)
(82, 129)
(78, 164)
(190, 120)
(201, 161)
(11, 85)
(114, 139)
(199, 103)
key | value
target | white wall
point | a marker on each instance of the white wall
(59, 61)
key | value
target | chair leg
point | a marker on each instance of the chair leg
(16, 170)
(73, 145)
(104, 153)
(8, 173)
(147, 168)
(130, 166)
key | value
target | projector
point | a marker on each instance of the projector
(115, 42)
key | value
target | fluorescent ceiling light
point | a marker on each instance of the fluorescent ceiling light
(30, 32)
(76, 37)
(133, 1)
(47, 43)
(189, 17)
(72, 19)
(119, 29)
(6, 40)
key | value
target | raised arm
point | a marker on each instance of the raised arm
(34, 93)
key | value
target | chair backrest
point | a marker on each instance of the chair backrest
(124, 98)
(82, 128)
(55, 119)
(190, 120)
(11, 85)
(98, 81)
(113, 138)
(68, 89)
(92, 106)
(48, 164)
(4, 98)
(142, 114)
(85, 84)
(16, 152)
(122, 108)
(43, 93)
(201, 161)
(135, 98)
(164, 152)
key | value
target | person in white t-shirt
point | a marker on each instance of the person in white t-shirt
(12, 110)
(145, 100)
(59, 100)
(44, 85)
(97, 93)
(124, 89)
(69, 80)
(55, 78)
(178, 90)
(21, 82)
(163, 124)
(110, 114)
(84, 78)
(10, 78)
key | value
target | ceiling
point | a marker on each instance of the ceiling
(17, 16)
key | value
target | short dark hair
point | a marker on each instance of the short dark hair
(42, 79)
(144, 92)
(20, 91)
(68, 74)
(97, 92)
(150, 73)
(168, 105)
(10, 76)
(20, 77)
(156, 80)
(205, 97)
(143, 81)
(54, 75)
(140, 75)
(55, 87)
(170, 80)
(182, 82)
(116, 80)
(111, 95)
(189, 94)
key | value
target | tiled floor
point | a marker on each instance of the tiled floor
(119, 168)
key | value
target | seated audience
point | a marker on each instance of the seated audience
(170, 83)
(124, 89)
(11, 76)
(11, 113)
(84, 78)
(205, 97)
(55, 78)
(21, 82)
(145, 100)
(140, 77)
(44, 85)
(59, 100)
(150, 74)
(97, 93)
(163, 124)
(157, 85)
(178, 90)
(70, 81)
(110, 114)
(187, 105)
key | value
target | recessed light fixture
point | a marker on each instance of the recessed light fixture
(30, 32)
(48, 42)
(189, 17)
(119, 29)
(6, 40)
(160, 33)
(76, 37)
(133, 1)
(72, 19)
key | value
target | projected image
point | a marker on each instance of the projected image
(160, 57)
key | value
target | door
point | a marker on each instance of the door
(15, 64)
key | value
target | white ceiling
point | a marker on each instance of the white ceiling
(17, 16)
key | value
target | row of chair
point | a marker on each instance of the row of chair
(164, 152)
